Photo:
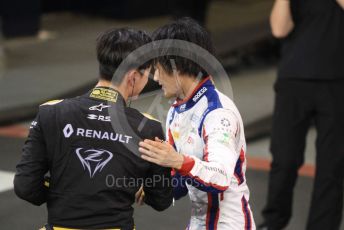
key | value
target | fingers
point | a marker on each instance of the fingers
(159, 140)
(150, 159)
(146, 152)
(163, 144)
(147, 145)
(154, 151)
(149, 155)
(158, 143)
(141, 199)
(151, 148)
(139, 196)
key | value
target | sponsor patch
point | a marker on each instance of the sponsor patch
(98, 117)
(33, 124)
(199, 94)
(193, 130)
(195, 118)
(175, 135)
(68, 131)
(93, 160)
(190, 140)
(225, 139)
(99, 107)
(225, 122)
(104, 94)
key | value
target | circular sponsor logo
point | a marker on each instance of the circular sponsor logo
(225, 122)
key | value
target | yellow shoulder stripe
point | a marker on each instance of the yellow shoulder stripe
(150, 117)
(52, 102)
(46, 184)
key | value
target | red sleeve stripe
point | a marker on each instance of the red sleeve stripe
(238, 172)
(205, 151)
(170, 139)
(187, 166)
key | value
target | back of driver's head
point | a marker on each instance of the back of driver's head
(185, 29)
(114, 45)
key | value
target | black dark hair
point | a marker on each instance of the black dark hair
(113, 46)
(189, 30)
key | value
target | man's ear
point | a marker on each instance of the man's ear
(131, 77)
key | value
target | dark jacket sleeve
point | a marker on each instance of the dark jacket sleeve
(179, 186)
(33, 165)
(158, 184)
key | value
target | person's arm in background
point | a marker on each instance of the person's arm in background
(281, 21)
(341, 3)
(29, 178)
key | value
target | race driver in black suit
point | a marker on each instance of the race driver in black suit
(86, 145)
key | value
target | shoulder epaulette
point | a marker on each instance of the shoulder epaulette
(150, 117)
(52, 102)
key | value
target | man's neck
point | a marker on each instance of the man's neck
(104, 83)
(188, 85)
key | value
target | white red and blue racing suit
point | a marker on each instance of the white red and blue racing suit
(207, 128)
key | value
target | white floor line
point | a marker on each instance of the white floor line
(6, 180)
